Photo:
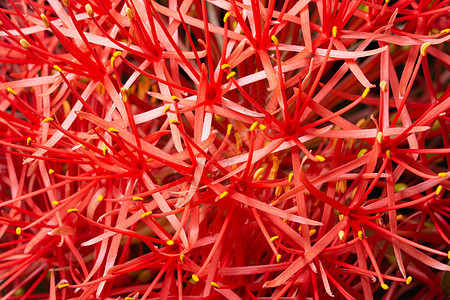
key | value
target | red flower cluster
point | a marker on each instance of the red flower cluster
(224, 149)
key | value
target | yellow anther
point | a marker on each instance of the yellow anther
(223, 195)
(29, 141)
(57, 68)
(227, 15)
(117, 53)
(136, 198)
(384, 286)
(129, 298)
(229, 127)
(89, 10)
(66, 3)
(51, 171)
(445, 31)
(341, 216)
(383, 85)
(231, 75)
(105, 151)
(442, 174)
(365, 93)
(195, 278)
(448, 254)
(360, 235)
(253, 127)
(72, 210)
(275, 40)
(225, 66)
(399, 217)
(124, 93)
(219, 118)
(361, 152)
(61, 286)
(113, 130)
(312, 232)
(439, 189)
(408, 280)
(18, 231)
(341, 235)
(55, 203)
(24, 43)
(275, 163)
(262, 127)
(182, 258)
(11, 91)
(290, 177)
(274, 238)
(175, 98)
(129, 13)
(258, 173)
(175, 122)
(387, 1)
(285, 221)
(300, 228)
(334, 31)
(380, 137)
(278, 258)
(398, 187)
(213, 284)
(278, 191)
(166, 108)
(48, 120)
(388, 153)
(320, 158)
(146, 214)
(424, 48)
(45, 20)
(170, 243)
(113, 61)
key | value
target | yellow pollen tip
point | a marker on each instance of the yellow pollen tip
(72, 210)
(365, 93)
(146, 214)
(129, 298)
(448, 255)
(399, 217)
(55, 203)
(384, 286)
(442, 174)
(182, 258)
(380, 137)
(113, 130)
(341, 235)
(227, 15)
(113, 60)
(231, 75)
(89, 10)
(274, 238)
(66, 3)
(439, 189)
(229, 127)
(258, 173)
(117, 53)
(383, 85)
(195, 278)
(320, 158)
(105, 151)
(166, 108)
(18, 231)
(290, 177)
(262, 127)
(170, 242)
(213, 284)
(175, 122)
(278, 258)
(45, 20)
(124, 93)
(223, 195)
(278, 190)
(61, 286)
(388, 153)
(253, 127)
(445, 31)
(312, 232)
(424, 48)
(57, 68)
(28, 141)
(175, 98)
(51, 171)
(225, 66)
(341, 216)
(361, 153)
(129, 13)
(11, 91)
(334, 31)
(408, 280)
(48, 120)
(24, 43)
(136, 198)
(360, 235)
(275, 40)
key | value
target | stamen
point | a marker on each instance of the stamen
(398, 187)
(408, 280)
(175, 98)
(383, 85)
(231, 75)
(28, 141)
(166, 108)
(320, 158)
(360, 235)
(388, 153)
(227, 15)
(424, 48)
(51, 171)
(45, 20)
(274, 238)
(136, 198)
(182, 258)
(124, 93)
(130, 13)
(275, 40)
(445, 31)
(55, 203)
(278, 258)
(278, 191)
(89, 10)
(105, 151)
(341, 235)
(312, 232)
(223, 195)
(18, 231)
(58, 69)
(384, 286)
(253, 126)
(380, 137)
(361, 152)
(229, 127)
(170, 242)
(48, 120)
(438, 190)
(113, 130)
(11, 91)
(258, 173)
(334, 31)
(262, 127)
(442, 174)
(215, 285)
(290, 177)
(72, 210)
(365, 93)
(146, 214)
(195, 278)
(225, 66)
(175, 122)
(25, 44)
(117, 53)
(61, 286)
